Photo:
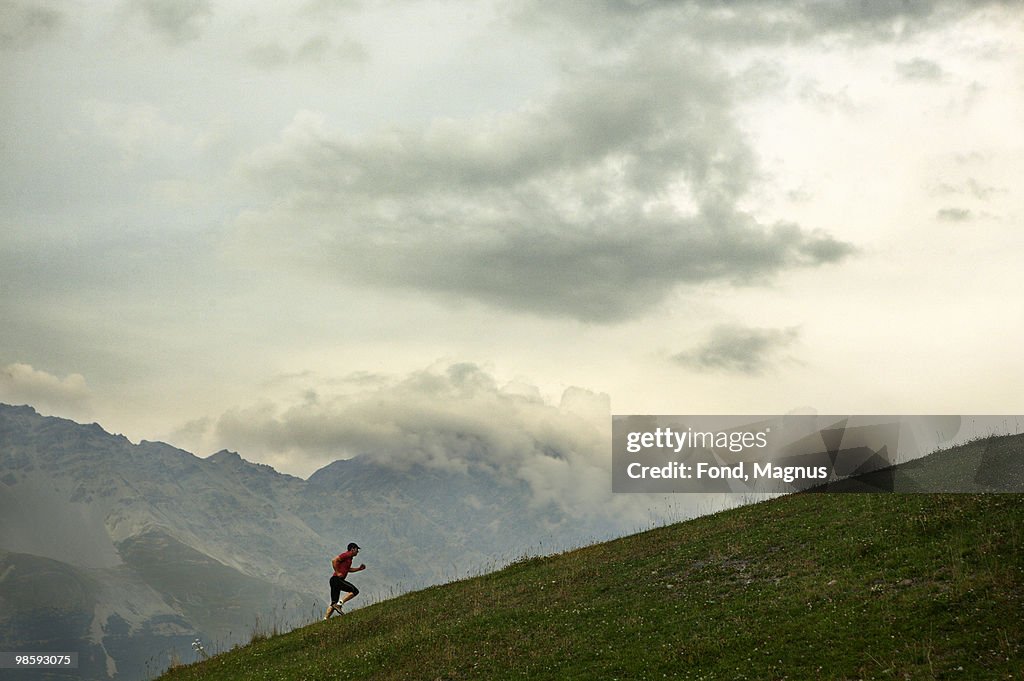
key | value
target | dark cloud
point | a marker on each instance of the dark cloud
(920, 69)
(328, 10)
(23, 24)
(606, 273)
(592, 205)
(954, 214)
(750, 22)
(270, 56)
(825, 98)
(741, 349)
(177, 21)
(969, 187)
(656, 120)
(318, 48)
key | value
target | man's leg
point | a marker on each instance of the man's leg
(336, 583)
(352, 592)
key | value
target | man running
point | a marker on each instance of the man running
(342, 566)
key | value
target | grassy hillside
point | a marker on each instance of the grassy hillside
(839, 586)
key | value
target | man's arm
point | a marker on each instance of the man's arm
(362, 566)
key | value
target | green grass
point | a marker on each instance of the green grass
(809, 586)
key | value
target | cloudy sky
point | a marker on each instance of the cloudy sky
(308, 230)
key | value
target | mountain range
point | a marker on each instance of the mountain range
(126, 553)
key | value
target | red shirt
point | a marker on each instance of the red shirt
(343, 563)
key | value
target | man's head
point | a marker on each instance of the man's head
(353, 547)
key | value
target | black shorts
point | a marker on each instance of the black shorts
(338, 585)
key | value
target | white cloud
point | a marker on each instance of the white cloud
(457, 419)
(23, 384)
(136, 130)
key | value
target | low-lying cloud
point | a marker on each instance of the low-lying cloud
(458, 420)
